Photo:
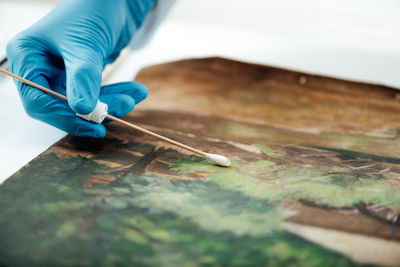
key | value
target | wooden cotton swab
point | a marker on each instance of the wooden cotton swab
(218, 159)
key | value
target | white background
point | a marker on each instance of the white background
(351, 39)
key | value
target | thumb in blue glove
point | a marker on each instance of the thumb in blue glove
(67, 51)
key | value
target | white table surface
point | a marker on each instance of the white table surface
(356, 40)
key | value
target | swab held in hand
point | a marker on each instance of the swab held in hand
(100, 113)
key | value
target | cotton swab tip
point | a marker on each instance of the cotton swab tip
(219, 159)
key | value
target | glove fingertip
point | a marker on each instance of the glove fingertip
(119, 105)
(95, 131)
(100, 132)
(141, 92)
(127, 104)
(81, 105)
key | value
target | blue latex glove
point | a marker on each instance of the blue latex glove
(66, 51)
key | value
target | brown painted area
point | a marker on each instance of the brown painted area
(355, 222)
(286, 99)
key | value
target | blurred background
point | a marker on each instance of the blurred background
(351, 39)
(354, 39)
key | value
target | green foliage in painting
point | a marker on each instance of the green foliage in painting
(50, 218)
(337, 186)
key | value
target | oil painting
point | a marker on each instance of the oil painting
(314, 181)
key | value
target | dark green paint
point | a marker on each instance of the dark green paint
(50, 219)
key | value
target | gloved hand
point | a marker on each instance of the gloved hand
(67, 51)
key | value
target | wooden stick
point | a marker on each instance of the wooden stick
(166, 139)
(130, 125)
(37, 86)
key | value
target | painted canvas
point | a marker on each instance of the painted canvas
(315, 179)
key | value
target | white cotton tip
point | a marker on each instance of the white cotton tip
(98, 114)
(220, 160)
